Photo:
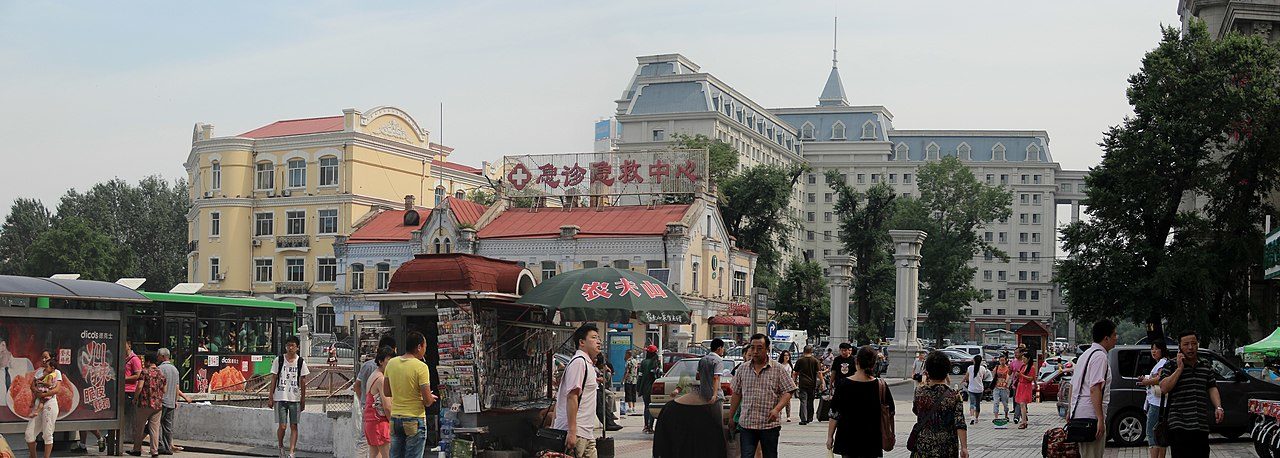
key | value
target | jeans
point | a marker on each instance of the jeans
(1184, 444)
(166, 429)
(410, 443)
(766, 438)
(1153, 417)
(806, 404)
(999, 399)
(648, 418)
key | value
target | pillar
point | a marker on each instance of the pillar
(839, 278)
(906, 260)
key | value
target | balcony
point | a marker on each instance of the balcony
(193, 246)
(293, 242)
(296, 288)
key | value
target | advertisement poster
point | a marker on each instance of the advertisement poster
(228, 372)
(85, 352)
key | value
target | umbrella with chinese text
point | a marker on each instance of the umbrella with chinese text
(610, 295)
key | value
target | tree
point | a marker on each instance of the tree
(864, 233)
(755, 211)
(803, 299)
(482, 197)
(73, 245)
(951, 206)
(27, 220)
(1206, 124)
(722, 157)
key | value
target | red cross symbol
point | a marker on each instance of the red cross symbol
(519, 176)
(653, 290)
(595, 290)
(626, 287)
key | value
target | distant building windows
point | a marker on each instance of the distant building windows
(328, 171)
(214, 270)
(295, 222)
(869, 130)
(263, 224)
(931, 152)
(806, 131)
(266, 176)
(294, 269)
(813, 179)
(1035, 295)
(439, 195)
(694, 271)
(964, 152)
(900, 153)
(826, 217)
(906, 178)
(809, 217)
(893, 178)
(215, 224)
(262, 270)
(622, 264)
(297, 173)
(357, 277)
(326, 270)
(1033, 153)
(826, 197)
(384, 276)
(997, 153)
(328, 221)
(215, 174)
(548, 269)
(659, 135)
(837, 131)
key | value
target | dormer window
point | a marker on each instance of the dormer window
(869, 130)
(964, 152)
(806, 131)
(837, 131)
(1033, 153)
(900, 153)
(931, 152)
(997, 153)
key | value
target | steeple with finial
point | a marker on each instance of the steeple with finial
(833, 92)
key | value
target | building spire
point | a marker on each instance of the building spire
(833, 92)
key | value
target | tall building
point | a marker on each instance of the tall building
(668, 95)
(267, 204)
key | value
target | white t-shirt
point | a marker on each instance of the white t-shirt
(287, 388)
(1152, 399)
(573, 378)
(975, 380)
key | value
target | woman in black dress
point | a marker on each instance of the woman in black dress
(854, 429)
(692, 425)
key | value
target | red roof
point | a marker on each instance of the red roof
(388, 226)
(467, 212)
(297, 127)
(458, 167)
(519, 223)
(458, 272)
(731, 320)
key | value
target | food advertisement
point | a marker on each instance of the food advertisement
(216, 373)
(85, 352)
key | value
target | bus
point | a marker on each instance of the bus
(216, 342)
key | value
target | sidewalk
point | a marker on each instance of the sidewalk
(194, 449)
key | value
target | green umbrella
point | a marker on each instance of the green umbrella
(610, 295)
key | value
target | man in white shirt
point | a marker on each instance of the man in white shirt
(10, 367)
(1091, 393)
(576, 398)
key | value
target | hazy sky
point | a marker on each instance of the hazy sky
(96, 90)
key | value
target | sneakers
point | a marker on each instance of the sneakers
(973, 421)
(78, 447)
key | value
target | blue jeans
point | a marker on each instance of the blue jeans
(648, 418)
(999, 399)
(766, 438)
(1153, 417)
(404, 445)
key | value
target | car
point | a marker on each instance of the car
(670, 358)
(960, 361)
(1050, 383)
(683, 375)
(972, 350)
(1053, 364)
(1127, 420)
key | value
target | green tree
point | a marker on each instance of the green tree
(482, 197)
(73, 245)
(803, 299)
(27, 220)
(864, 233)
(755, 211)
(1206, 123)
(722, 157)
(951, 206)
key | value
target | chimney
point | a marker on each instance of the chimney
(350, 117)
(569, 231)
(408, 202)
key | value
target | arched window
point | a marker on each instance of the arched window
(837, 131)
(328, 171)
(297, 173)
(695, 277)
(459, 194)
(215, 173)
(997, 152)
(931, 152)
(448, 245)
(435, 245)
(806, 131)
(900, 153)
(439, 195)
(869, 130)
(1033, 153)
(266, 176)
(964, 152)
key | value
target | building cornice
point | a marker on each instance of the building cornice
(875, 109)
(968, 133)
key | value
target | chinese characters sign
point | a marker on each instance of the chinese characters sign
(86, 352)
(598, 289)
(607, 173)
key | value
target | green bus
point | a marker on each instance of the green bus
(217, 342)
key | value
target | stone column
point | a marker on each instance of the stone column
(839, 278)
(906, 260)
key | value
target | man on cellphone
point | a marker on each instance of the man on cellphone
(1191, 387)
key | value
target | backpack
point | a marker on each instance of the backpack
(280, 368)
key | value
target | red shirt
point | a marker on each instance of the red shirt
(132, 366)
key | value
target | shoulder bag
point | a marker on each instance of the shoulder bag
(887, 437)
(551, 439)
(1161, 431)
(1082, 430)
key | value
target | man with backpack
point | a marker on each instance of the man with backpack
(576, 398)
(288, 393)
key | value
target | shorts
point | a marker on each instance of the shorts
(42, 423)
(377, 432)
(286, 413)
(1000, 396)
(1153, 417)
(975, 401)
(630, 392)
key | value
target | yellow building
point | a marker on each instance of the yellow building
(268, 203)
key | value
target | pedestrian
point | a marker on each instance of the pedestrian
(828, 359)
(692, 424)
(940, 430)
(1191, 386)
(630, 376)
(650, 370)
(362, 385)
(576, 397)
(1159, 354)
(784, 360)
(806, 378)
(1023, 380)
(132, 367)
(760, 392)
(1016, 367)
(917, 368)
(1092, 391)
(604, 396)
(842, 366)
(288, 394)
(377, 422)
(149, 403)
(854, 430)
(1064, 395)
(975, 383)
(44, 405)
(1000, 393)
(171, 395)
(408, 380)
(716, 355)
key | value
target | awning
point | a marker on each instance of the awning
(84, 290)
(1269, 345)
(730, 320)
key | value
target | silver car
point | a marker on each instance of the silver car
(683, 377)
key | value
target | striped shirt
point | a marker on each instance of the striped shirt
(1189, 402)
(760, 392)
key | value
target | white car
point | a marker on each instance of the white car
(972, 350)
(685, 372)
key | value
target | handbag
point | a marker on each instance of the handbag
(1161, 431)
(887, 437)
(1082, 430)
(552, 439)
(913, 438)
(1055, 445)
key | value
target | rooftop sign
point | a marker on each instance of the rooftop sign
(605, 173)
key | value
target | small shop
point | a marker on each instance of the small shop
(1035, 335)
(732, 326)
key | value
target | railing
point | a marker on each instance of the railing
(293, 241)
(293, 287)
(193, 246)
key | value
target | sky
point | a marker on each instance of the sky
(98, 90)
